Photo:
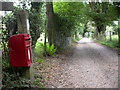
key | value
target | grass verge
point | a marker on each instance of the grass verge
(113, 43)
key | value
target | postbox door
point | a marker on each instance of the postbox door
(20, 50)
(28, 50)
(28, 56)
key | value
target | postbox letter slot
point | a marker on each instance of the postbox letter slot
(27, 39)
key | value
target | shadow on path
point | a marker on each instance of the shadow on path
(91, 65)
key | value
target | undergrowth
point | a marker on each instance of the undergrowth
(39, 49)
(113, 43)
(16, 81)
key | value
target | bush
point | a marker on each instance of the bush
(50, 50)
(14, 81)
(113, 43)
(40, 60)
(39, 49)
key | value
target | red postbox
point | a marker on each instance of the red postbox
(20, 50)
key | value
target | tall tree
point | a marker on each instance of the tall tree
(50, 22)
(35, 21)
(102, 14)
(69, 16)
(117, 4)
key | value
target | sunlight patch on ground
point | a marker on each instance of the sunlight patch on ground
(85, 40)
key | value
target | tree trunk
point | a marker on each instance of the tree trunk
(45, 43)
(100, 31)
(85, 30)
(50, 22)
(76, 36)
(26, 72)
(88, 34)
(110, 36)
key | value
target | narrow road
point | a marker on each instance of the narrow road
(92, 65)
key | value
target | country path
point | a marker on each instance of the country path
(91, 65)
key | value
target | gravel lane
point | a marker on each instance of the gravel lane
(91, 65)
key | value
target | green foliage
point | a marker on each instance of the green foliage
(117, 4)
(78, 38)
(68, 17)
(110, 44)
(39, 81)
(113, 43)
(64, 25)
(50, 50)
(36, 21)
(14, 81)
(5, 56)
(102, 14)
(40, 60)
(5, 65)
(39, 50)
(10, 21)
(69, 9)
